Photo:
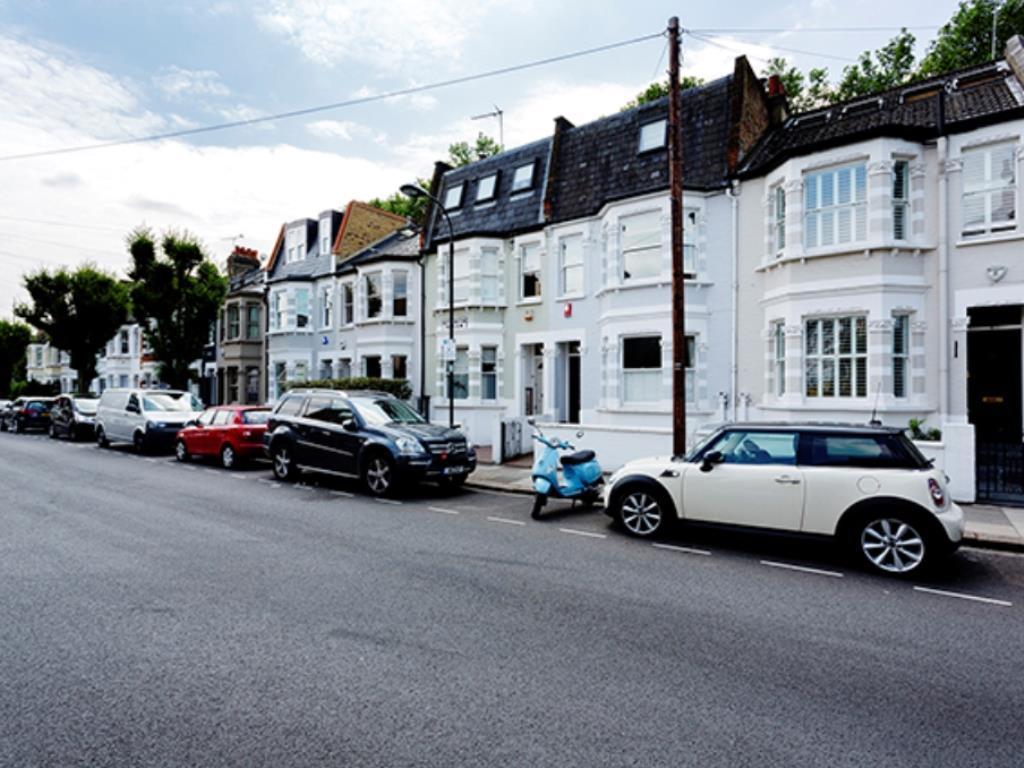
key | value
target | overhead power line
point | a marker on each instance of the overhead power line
(741, 49)
(50, 222)
(338, 104)
(780, 30)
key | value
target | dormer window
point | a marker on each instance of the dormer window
(453, 197)
(523, 178)
(485, 188)
(652, 135)
(295, 245)
(325, 237)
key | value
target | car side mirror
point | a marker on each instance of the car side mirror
(132, 409)
(710, 459)
(531, 421)
(349, 425)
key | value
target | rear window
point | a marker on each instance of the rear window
(87, 407)
(38, 405)
(290, 406)
(255, 417)
(866, 451)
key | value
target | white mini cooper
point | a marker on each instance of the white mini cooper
(868, 486)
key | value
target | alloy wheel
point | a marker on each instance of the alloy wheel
(282, 463)
(641, 513)
(227, 457)
(892, 545)
(378, 475)
(181, 451)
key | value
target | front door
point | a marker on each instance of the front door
(573, 382)
(533, 378)
(757, 483)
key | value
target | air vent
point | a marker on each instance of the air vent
(863, 107)
(818, 118)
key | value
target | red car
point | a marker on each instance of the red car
(233, 433)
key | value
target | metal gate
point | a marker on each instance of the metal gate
(999, 470)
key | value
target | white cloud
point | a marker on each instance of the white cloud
(178, 83)
(215, 192)
(422, 102)
(715, 59)
(346, 130)
(384, 35)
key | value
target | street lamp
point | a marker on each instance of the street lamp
(413, 192)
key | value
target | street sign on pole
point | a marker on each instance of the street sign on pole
(448, 350)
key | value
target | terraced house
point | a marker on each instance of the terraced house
(882, 264)
(562, 275)
(241, 331)
(308, 298)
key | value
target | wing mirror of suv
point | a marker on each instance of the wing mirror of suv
(132, 408)
(531, 421)
(349, 425)
(710, 459)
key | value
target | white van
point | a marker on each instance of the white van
(149, 419)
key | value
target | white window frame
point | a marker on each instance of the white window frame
(576, 266)
(653, 135)
(526, 249)
(901, 355)
(490, 275)
(460, 369)
(453, 197)
(642, 248)
(461, 274)
(278, 311)
(304, 293)
(821, 219)
(778, 220)
(488, 183)
(522, 178)
(631, 374)
(901, 200)
(778, 353)
(988, 187)
(827, 356)
(396, 275)
(348, 303)
(368, 279)
(488, 375)
(326, 307)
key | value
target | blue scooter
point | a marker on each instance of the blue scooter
(581, 474)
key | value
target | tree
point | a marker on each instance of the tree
(176, 298)
(659, 90)
(889, 66)
(803, 93)
(966, 39)
(461, 153)
(77, 311)
(413, 208)
(14, 338)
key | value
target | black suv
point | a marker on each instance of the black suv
(370, 435)
(73, 417)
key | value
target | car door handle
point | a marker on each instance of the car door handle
(787, 480)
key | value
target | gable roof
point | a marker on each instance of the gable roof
(952, 102)
(402, 245)
(361, 225)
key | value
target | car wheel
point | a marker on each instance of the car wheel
(15, 427)
(101, 438)
(894, 544)
(53, 431)
(379, 474)
(284, 462)
(139, 443)
(228, 460)
(642, 512)
(181, 452)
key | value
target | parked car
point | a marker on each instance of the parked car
(73, 417)
(369, 435)
(149, 419)
(28, 413)
(233, 433)
(869, 487)
(6, 408)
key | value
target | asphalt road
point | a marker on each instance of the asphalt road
(161, 614)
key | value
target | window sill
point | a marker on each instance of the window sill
(660, 282)
(531, 302)
(849, 249)
(571, 297)
(998, 237)
(440, 308)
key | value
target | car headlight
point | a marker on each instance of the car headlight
(409, 446)
(155, 425)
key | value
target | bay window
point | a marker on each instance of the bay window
(371, 366)
(460, 374)
(374, 298)
(835, 206)
(778, 352)
(347, 304)
(302, 307)
(778, 217)
(252, 323)
(836, 357)
(234, 326)
(400, 294)
(462, 278)
(641, 245)
(900, 354)
(900, 199)
(989, 189)
(325, 307)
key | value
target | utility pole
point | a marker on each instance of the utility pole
(675, 181)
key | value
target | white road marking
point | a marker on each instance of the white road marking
(345, 494)
(151, 461)
(489, 492)
(389, 501)
(443, 510)
(191, 469)
(686, 550)
(962, 596)
(237, 477)
(802, 569)
(211, 471)
(588, 534)
(506, 521)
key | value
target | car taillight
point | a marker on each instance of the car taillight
(24, 412)
(938, 495)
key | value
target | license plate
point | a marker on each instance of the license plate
(454, 470)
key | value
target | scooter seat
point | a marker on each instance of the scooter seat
(580, 457)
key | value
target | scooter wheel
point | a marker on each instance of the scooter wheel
(538, 504)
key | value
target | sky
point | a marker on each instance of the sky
(79, 72)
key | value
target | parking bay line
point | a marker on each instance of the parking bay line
(343, 494)
(389, 501)
(588, 534)
(684, 550)
(444, 510)
(962, 596)
(802, 569)
(506, 521)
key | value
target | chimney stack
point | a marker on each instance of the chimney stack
(778, 105)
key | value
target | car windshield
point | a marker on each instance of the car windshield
(175, 402)
(256, 417)
(87, 407)
(385, 410)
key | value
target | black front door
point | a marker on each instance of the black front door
(574, 383)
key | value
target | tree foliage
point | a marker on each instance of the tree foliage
(804, 93)
(78, 311)
(658, 90)
(463, 153)
(14, 338)
(889, 66)
(175, 297)
(966, 39)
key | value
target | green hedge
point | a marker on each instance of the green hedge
(398, 387)
(33, 388)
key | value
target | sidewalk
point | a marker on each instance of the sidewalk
(987, 525)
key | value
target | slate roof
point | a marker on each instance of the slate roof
(315, 264)
(598, 163)
(401, 245)
(507, 213)
(971, 97)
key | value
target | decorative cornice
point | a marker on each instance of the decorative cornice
(880, 167)
(880, 325)
(917, 170)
